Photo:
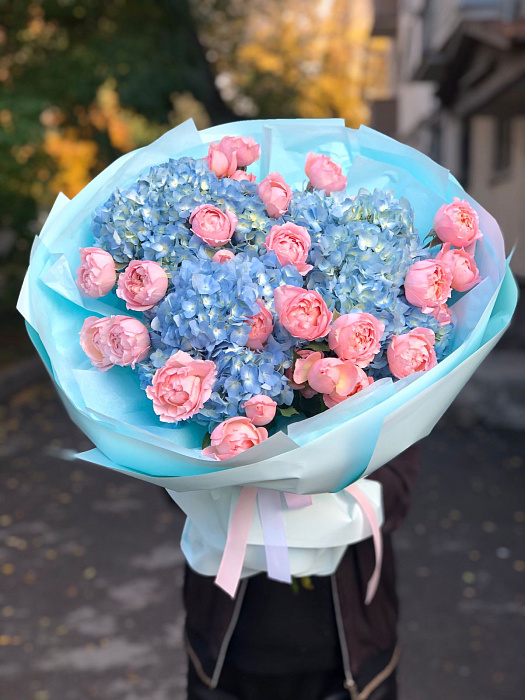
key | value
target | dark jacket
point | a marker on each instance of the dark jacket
(367, 634)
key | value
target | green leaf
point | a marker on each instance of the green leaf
(206, 441)
(288, 412)
(318, 347)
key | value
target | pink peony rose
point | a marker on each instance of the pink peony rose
(457, 223)
(303, 365)
(291, 244)
(181, 387)
(324, 174)
(442, 314)
(412, 352)
(115, 340)
(276, 194)
(213, 226)
(234, 436)
(91, 342)
(241, 175)
(428, 284)
(260, 409)
(465, 273)
(262, 326)
(356, 337)
(222, 256)
(142, 284)
(302, 312)
(231, 153)
(330, 375)
(96, 275)
(221, 161)
(125, 340)
(246, 149)
(362, 382)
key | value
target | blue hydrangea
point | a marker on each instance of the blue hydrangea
(361, 250)
(149, 219)
(205, 314)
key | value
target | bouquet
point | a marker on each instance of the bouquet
(266, 312)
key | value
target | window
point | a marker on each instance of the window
(501, 144)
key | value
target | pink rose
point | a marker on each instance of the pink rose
(428, 284)
(324, 174)
(262, 326)
(125, 340)
(412, 352)
(234, 436)
(246, 149)
(362, 382)
(457, 223)
(302, 312)
(303, 365)
(276, 194)
(330, 375)
(260, 409)
(465, 273)
(241, 175)
(222, 162)
(96, 275)
(230, 153)
(115, 340)
(142, 284)
(222, 256)
(91, 342)
(356, 337)
(291, 244)
(213, 226)
(181, 387)
(442, 314)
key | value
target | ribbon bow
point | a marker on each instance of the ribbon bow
(274, 535)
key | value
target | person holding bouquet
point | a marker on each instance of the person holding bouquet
(316, 640)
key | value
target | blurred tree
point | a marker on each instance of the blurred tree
(292, 58)
(82, 81)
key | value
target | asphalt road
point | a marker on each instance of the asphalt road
(90, 567)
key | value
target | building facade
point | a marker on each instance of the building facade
(461, 99)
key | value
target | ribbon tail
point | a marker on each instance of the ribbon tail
(274, 535)
(369, 512)
(295, 500)
(232, 560)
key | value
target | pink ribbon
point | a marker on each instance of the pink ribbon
(368, 511)
(235, 550)
(274, 535)
(295, 500)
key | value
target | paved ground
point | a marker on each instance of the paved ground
(90, 568)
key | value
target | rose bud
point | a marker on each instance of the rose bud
(142, 284)
(260, 409)
(324, 174)
(96, 275)
(234, 436)
(412, 352)
(213, 226)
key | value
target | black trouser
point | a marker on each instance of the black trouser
(320, 685)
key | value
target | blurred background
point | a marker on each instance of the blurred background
(90, 568)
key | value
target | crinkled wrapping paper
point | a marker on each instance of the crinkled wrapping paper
(319, 455)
